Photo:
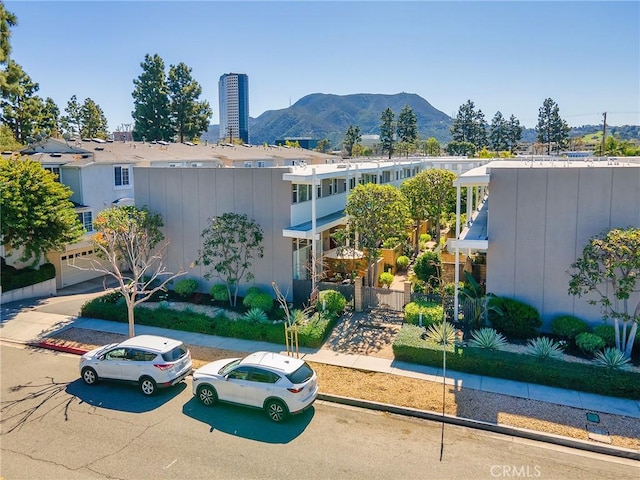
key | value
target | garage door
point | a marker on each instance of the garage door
(70, 275)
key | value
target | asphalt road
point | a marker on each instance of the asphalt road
(53, 426)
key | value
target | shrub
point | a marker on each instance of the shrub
(402, 262)
(424, 238)
(487, 338)
(253, 291)
(432, 312)
(441, 333)
(263, 301)
(334, 301)
(219, 293)
(385, 279)
(255, 315)
(589, 343)
(612, 358)
(186, 287)
(568, 326)
(391, 242)
(518, 319)
(544, 347)
(606, 333)
(426, 267)
(12, 278)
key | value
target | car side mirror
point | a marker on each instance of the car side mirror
(101, 357)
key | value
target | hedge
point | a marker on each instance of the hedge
(312, 334)
(409, 347)
(12, 278)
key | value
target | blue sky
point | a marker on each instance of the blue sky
(505, 56)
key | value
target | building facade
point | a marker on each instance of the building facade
(233, 94)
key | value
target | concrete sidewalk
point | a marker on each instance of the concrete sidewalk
(33, 325)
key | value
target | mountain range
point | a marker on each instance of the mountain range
(321, 115)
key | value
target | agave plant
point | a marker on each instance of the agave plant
(544, 347)
(487, 338)
(255, 315)
(612, 358)
(441, 333)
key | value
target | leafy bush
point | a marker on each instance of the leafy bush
(568, 326)
(263, 301)
(426, 267)
(334, 301)
(12, 278)
(385, 279)
(518, 319)
(487, 338)
(606, 333)
(253, 291)
(589, 343)
(402, 262)
(255, 315)
(409, 347)
(219, 293)
(424, 238)
(544, 347)
(441, 333)
(432, 312)
(186, 287)
(612, 358)
(391, 242)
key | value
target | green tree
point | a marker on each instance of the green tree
(37, 216)
(387, 131)
(551, 129)
(415, 191)
(376, 212)
(461, 148)
(351, 138)
(129, 240)
(189, 115)
(94, 123)
(151, 102)
(432, 147)
(439, 192)
(323, 145)
(49, 119)
(408, 128)
(499, 133)
(469, 126)
(608, 272)
(72, 121)
(21, 107)
(514, 133)
(229, 244)
(7, 20)
(7, 141)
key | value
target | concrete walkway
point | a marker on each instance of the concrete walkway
(32, 323)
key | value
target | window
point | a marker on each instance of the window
(300, 192)
(333, 186)
(86, 219)
(122, 176)
(263, 376)
(240, 373)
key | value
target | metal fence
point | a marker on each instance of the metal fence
(465, 307)
(385, 298)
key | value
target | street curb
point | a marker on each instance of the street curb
(490, 427)
(59, 348)
(438, 417)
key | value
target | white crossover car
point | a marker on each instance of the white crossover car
(150, 361)
(279, 384)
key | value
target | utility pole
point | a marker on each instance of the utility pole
(604, 132)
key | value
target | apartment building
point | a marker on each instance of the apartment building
(233, 96)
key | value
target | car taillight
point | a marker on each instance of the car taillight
(295, 390)
(163, 366)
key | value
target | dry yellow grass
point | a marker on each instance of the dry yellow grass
(423, 395)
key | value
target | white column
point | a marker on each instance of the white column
(456, 306)
(314, 247)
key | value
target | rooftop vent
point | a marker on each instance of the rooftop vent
(54, 155)
(99, 148)
(188, 143)
(162, 142)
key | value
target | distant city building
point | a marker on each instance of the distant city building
(233, 90)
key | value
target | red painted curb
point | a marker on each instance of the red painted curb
(61, 348)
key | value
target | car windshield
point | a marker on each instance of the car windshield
(229, 366)
(301, 375)
(175, 354)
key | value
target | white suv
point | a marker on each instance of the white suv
(150, 361)
(278, 384)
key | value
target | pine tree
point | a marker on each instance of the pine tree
(514, 133)
(189, 116)
(499, 133)
(387, 130)
(21, 107)
(551, 128)
(94, 123)
(151, 101)
(351, 138)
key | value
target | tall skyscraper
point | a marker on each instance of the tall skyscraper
(233, 91)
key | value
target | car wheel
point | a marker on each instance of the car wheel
(89, 376)
(207, 395)
(147, 386)
(276, 410)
